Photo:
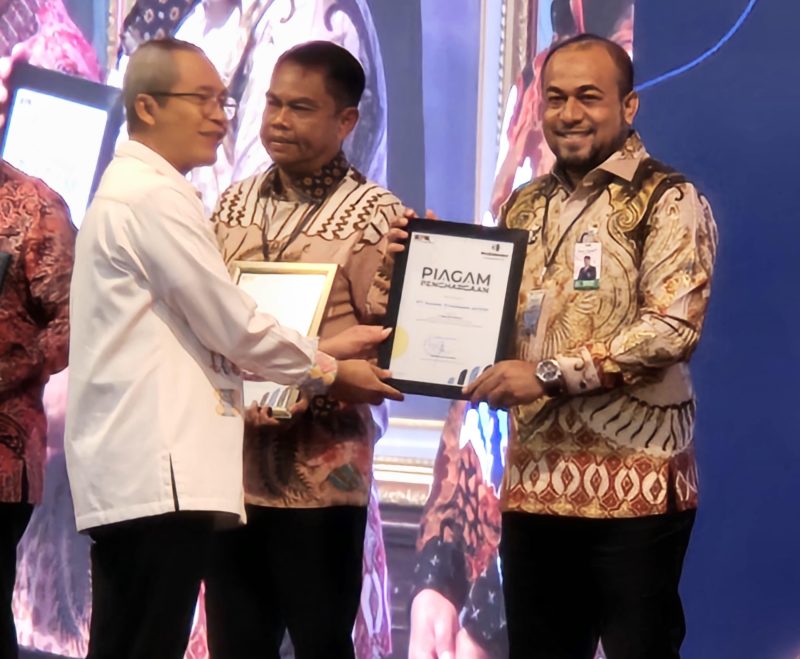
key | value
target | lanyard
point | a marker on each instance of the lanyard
(549, 260)
(309, 215)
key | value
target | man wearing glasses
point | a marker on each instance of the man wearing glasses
(154, 415)
(209, 102)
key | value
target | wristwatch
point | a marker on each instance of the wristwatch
(549, 375)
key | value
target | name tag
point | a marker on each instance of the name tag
(587, 265)
(531, 325)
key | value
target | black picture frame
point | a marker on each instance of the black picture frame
(519, 240)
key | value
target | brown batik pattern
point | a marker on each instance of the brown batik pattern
(324, 457)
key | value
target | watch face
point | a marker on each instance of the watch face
(548, 370)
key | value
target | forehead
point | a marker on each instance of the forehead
(291, 80)
(195, 71)
(575, 67)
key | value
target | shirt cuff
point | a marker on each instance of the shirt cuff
(579, 372)
(321, 376)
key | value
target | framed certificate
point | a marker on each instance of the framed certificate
(296, 295)
(452, 304)
(61, 129)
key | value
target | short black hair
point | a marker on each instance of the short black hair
(344, 75)
(617, 53)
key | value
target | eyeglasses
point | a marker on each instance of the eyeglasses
(207, 102)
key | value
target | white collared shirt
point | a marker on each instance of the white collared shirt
(154, 412)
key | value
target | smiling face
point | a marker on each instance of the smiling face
(185, 130)
(584, 118)
(302, 129)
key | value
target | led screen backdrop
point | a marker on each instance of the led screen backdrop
(718, 102)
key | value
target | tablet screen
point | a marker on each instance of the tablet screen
(57, 140)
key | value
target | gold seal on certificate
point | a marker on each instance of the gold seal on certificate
(452, 305)
(296, 295)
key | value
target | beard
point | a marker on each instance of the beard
(581, 161)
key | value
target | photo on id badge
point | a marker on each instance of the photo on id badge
(586, 265)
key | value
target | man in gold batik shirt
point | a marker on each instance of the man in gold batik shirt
(600, 486)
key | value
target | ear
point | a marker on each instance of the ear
(630, 106)
(145, 107)
(348, 118)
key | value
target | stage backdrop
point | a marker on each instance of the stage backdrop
(731, 124)
(720, 102)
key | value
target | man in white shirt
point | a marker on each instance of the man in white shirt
(159, 333)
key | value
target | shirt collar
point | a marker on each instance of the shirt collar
(622, 163)
(139, 151)
(314, 187)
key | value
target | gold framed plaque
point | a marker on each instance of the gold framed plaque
(296, 295)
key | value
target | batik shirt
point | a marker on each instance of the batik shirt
(324, 458)
(619, 443)
(35, 230)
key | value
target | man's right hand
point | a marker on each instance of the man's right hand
(434, 626)
(358, 381)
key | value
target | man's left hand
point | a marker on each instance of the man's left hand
(259, 417)
(397, 233)
(506, 384)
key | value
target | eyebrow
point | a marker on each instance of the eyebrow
(582, 88)
(303, 99)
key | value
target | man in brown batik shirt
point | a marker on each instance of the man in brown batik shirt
(297, 562)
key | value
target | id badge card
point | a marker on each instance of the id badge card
(532, 325)
(587, 265)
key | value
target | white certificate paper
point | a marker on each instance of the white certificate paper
(451, 310)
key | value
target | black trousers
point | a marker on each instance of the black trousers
(295, 569)
(569, 582)
(146, 576)
(14, 518)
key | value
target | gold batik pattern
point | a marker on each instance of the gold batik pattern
(620, 443)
